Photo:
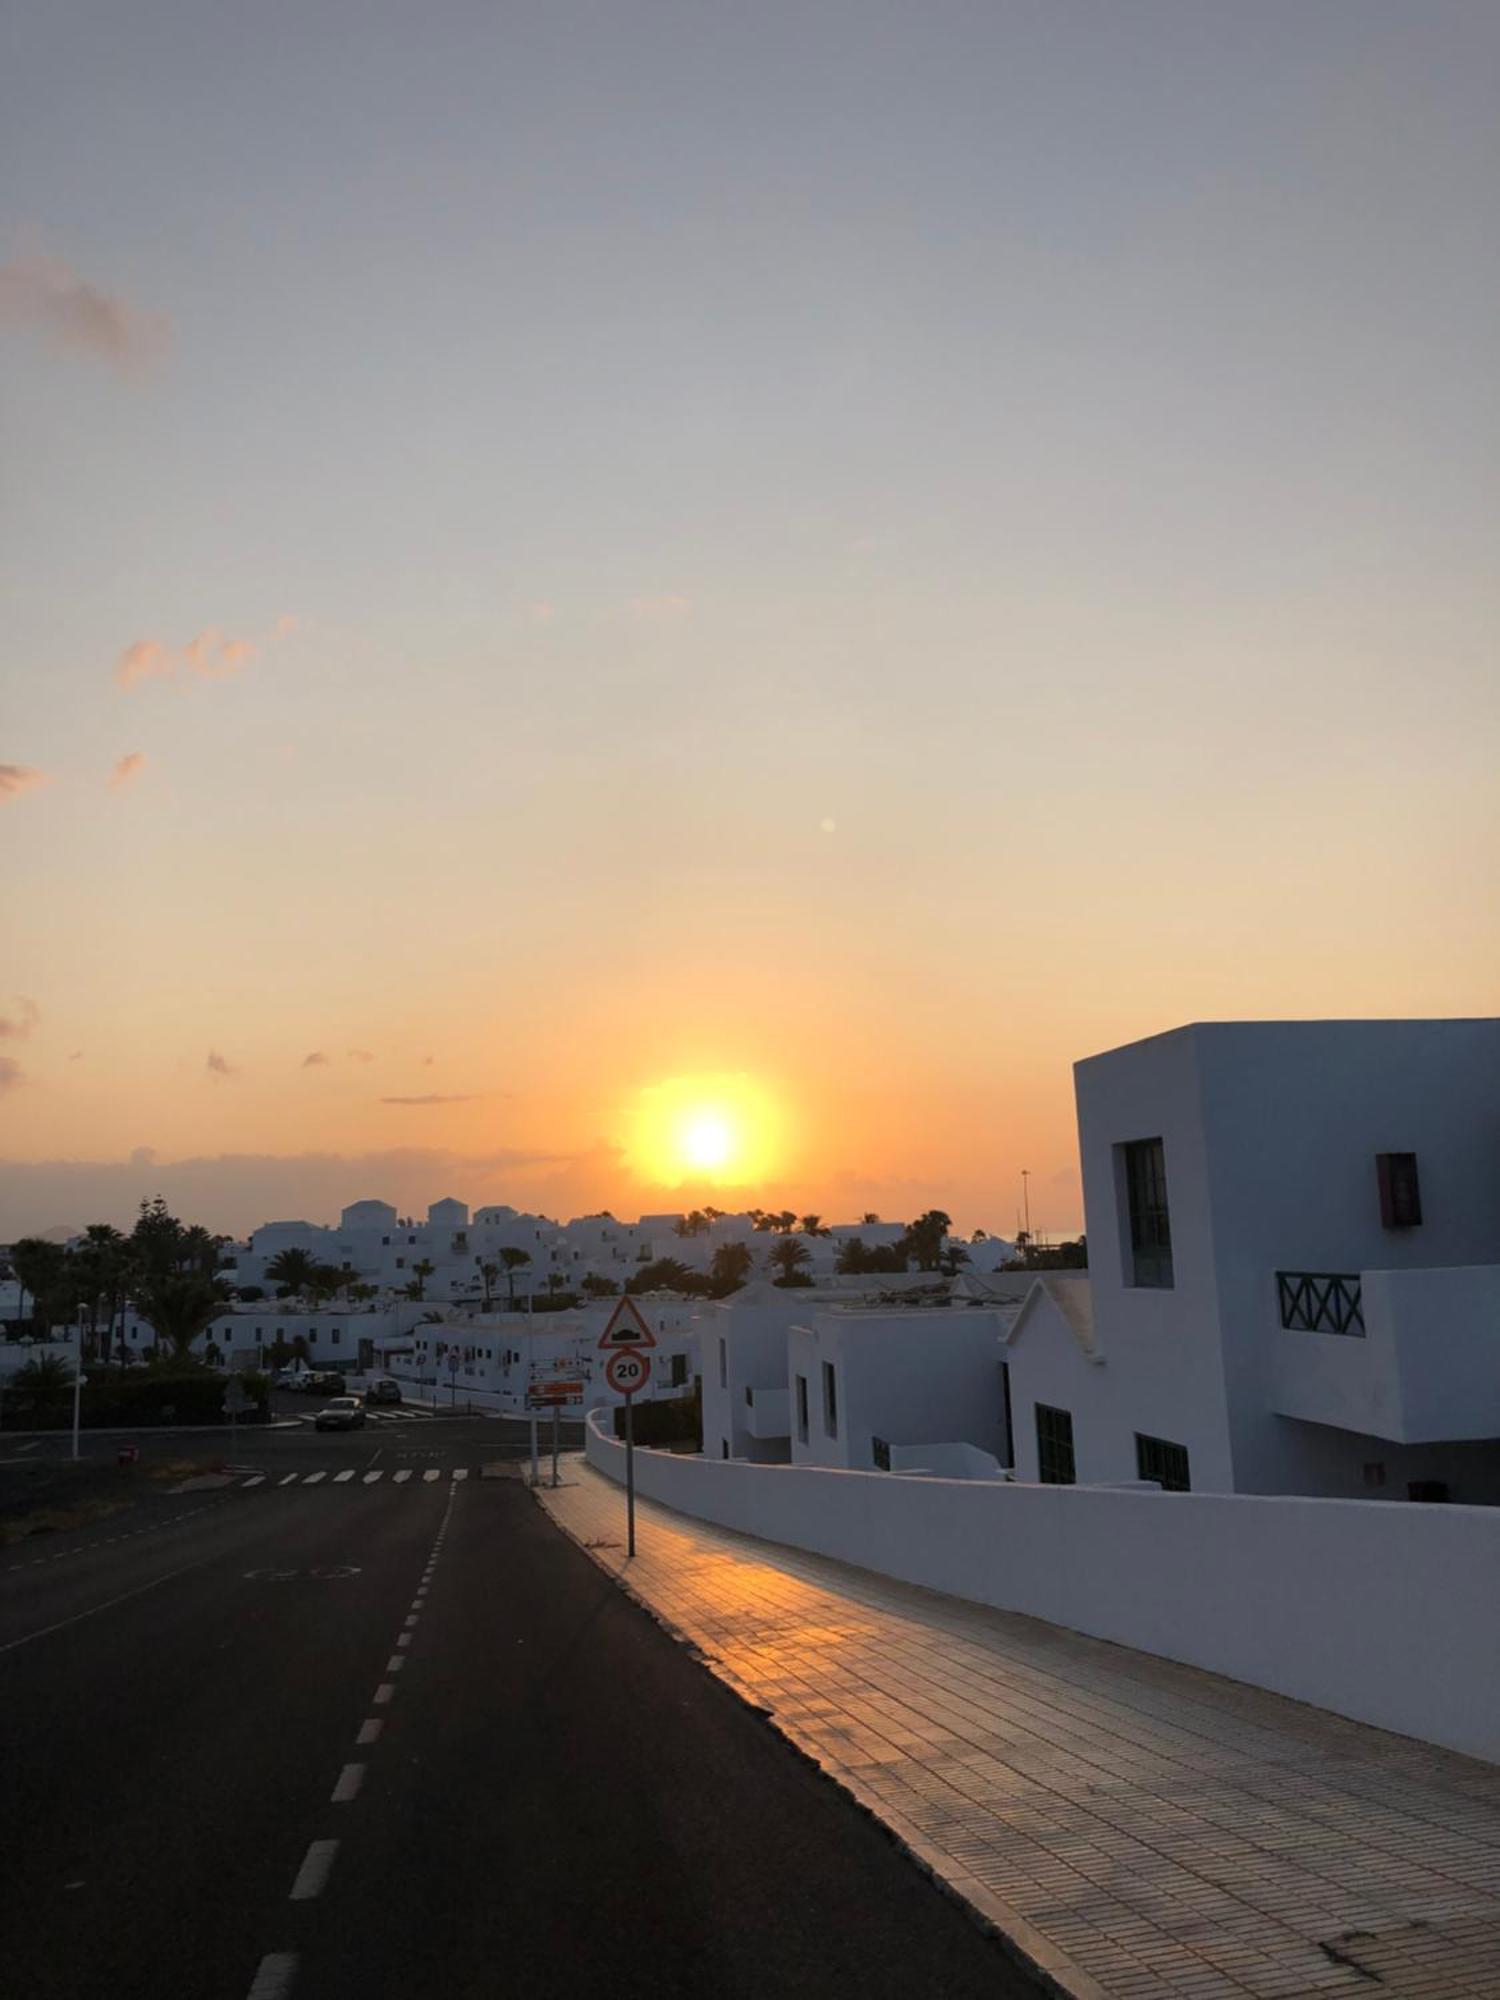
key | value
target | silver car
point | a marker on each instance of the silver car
(344, 1413)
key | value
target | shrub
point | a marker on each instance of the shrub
(669, 1420)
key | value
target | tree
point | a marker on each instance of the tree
(47, 1375)
(666, 1274)
(788, 1258)
(923, 1240)
(598, 1287)
(490, 1274)
(785, 1221)
(868, 1217)
(731, 1267)
(857, 1258)
(101, 1266)
(40, 1269)
(325, 1281)
(421, 1271)
(513, 1260)
(292, 1269)
(812, 1225)
(175, 1276)
(695, 1223)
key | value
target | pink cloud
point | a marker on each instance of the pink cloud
(316, 1060)
(11, 1072)
(209, 655)
(69, 313)
(130, 766)
(218, 1065)
(18, 778)
(147, 659)
(18, 1026)
(432, 1097)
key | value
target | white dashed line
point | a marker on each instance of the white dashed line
(339, 1478)
(403, 1638)
(274, 1976)
(369, 1730)
(258, 1480)
(371, 1477)
(460, 1472)
(432, 1473)
(402, 1477)
(314, 1872)
(313, 1478)
(409, 1620)
(384, 1693)
(350, 1779)
(395, 1663)
(289, 1478)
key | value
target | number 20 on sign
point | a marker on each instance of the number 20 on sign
(626, 1372)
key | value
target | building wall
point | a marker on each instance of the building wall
(1378, 1613)
(922, 1377)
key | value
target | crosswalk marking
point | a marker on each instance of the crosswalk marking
(431, 1473)
(258, 1480)
(313, 1478)
(289, 1478)
(460, 1472)
(371, 1477)
(402, 1476)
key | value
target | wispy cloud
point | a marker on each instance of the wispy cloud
(16, 1027)
(209, 655)
(317, 1060)
(218, 1065)
(18, 778)
(432, 1097)
(129, 766)
(48, 295)
(11, 1073)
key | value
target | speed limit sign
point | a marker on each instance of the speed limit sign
(626, 1371)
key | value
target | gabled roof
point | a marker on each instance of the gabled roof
(1072, 1299)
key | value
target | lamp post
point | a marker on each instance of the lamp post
(78, 1382)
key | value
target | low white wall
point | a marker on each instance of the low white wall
(1388, 1614)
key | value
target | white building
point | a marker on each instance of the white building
(1294, 1285)
(512, 1357)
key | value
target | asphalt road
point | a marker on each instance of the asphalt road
(369, 1739)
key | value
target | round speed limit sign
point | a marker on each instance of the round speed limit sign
(626, 1371)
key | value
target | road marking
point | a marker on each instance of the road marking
(402, 1477)
(411, 1619)
(350, 1779)
(371, 1477)
(258, 1480)
(108, 1605)
(314, 1872)
(313, 1478)
(460, 1472)
(369, 1730)
(340, 1477)
(274, 1976)
(404, 1638)
(384, 1693)
(289, 1478)
(395, 1663)
(432, 1473)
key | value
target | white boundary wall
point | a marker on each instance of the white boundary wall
(1383, 1611)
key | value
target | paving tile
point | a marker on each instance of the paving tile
(1141, 1828)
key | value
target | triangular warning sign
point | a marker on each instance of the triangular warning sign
(627, 1328)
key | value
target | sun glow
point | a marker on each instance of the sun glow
(719, 1129)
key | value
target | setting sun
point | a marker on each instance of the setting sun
(716, 1128)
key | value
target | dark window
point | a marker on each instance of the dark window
(1166, 1463)
(679, 1371)
(1150, 1224)
(1054, 1446)
(830, 1400)
(1009, 1437)
(1432, 1490)
(802, 1409)
(880, 1454)
(723, 1363)
(723, 1447)
(1400, 1194)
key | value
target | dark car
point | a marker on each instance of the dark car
(383, 1390)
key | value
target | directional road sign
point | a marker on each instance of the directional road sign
(627, 1328)
(626, 1371)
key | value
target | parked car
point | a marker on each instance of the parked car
(328, 1382)
(383, 1390)
(344, 1413)
(289, 1378)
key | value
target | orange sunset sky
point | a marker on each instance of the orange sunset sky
(823, 563)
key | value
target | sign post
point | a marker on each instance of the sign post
(626, 1371)
(453, 1378)
(536, 1477)
(554, 1443)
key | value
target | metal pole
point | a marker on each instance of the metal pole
(554, 1444)
(630, 1475)
(536, 1477)
(77, 1387)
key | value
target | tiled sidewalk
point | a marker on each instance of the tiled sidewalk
(1137, 1828)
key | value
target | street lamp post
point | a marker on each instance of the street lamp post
(78, 1383)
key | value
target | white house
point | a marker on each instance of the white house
(1294, 1284)
(511, 1357)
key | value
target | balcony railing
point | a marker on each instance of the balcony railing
(1321, 1302)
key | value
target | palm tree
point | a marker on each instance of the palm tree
(490, 1274)
(421, 1271)
(812, 1225)
(789, 1256)
(292, 1268)
(513, 1260)
(325, 1281)
(731, 1266)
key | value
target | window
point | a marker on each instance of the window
(723, 1447)
(400, 1263)
(335, 1336)
(679, 1371)
(1009, 1437)
(723, 1363)
(802, 1409)
(1054, 1446)
(1166, 1463)
(1150, 1224)
(830, 1400)
(1400, 1194)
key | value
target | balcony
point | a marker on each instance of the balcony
(768, 1413)
(1410, 1356)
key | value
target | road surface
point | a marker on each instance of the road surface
(307, 1739)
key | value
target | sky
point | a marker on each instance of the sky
(828, 558)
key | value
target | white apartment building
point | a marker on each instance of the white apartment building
(514, 1356)
(1294, 1284)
